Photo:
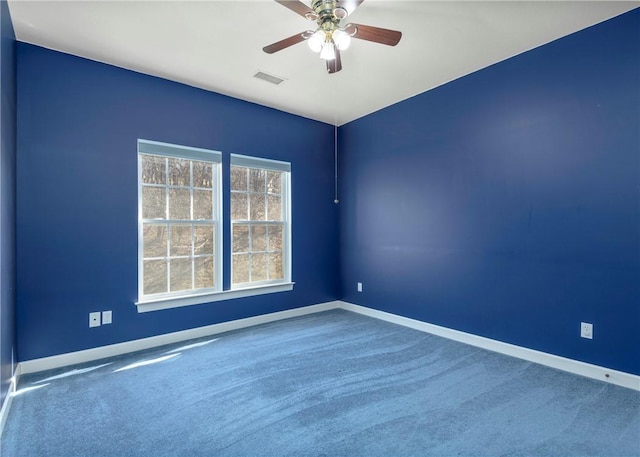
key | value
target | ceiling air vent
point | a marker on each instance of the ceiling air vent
(269, 78)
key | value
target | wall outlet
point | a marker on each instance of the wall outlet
(107, 317)
(359, 287)
(586, 330)
(94, 319)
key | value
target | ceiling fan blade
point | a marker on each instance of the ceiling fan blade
(299, 8)
(335, 65)
(282, 44)
(350, 5)
(375, 34)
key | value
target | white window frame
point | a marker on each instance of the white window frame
(186, 298)
(166, 150)
(239, 160)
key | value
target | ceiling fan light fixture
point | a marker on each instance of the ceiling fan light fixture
(342, 39)
(316, 41)
(328, 51)
(329, 38)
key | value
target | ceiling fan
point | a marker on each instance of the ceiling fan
(330, 37)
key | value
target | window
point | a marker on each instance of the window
(180, 240)
(179, 221)
(260, 222)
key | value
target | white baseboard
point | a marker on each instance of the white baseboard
(6, 405)
(619, 378)
(572, 366)
(88, 355)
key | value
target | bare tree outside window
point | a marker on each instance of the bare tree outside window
(178, 224)
(259, 224)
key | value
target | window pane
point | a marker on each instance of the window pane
(177, 231)
(154, 240)
(258, 238)
(239, 207)
(179, 174)
(275, 238)
(202, 174)
(153, 203)
(204, 239)
(204, 273)
(274, 182)
(180, 240)
(180, 274)
(257, 180)
(257, 207)
(275, 208)
(202, 204)
(240, 268)
(240, 238)
(179, 204)
(239, 178)
(276, 270)
(155, 276)
(153, 170)
(258, 267)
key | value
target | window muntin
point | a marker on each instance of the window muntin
(179, 222)
(260, 222)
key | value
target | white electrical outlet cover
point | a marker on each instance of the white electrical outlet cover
(586, 330)
(94, 319)
(359, 287)
(106, 317)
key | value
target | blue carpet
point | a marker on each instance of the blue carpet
(329, 384)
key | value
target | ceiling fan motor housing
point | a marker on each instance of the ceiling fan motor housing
(329, 13)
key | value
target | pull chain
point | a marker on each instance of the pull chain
(335, 158)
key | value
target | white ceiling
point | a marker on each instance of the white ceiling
(217, 45)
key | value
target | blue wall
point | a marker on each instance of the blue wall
(504, 204)
(78, 122)
(7, 198)
(507, 203)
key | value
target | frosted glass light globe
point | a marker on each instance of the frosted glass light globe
(328, 51)
(316, 41)
(342, 39)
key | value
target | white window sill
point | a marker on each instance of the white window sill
(175, 302)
